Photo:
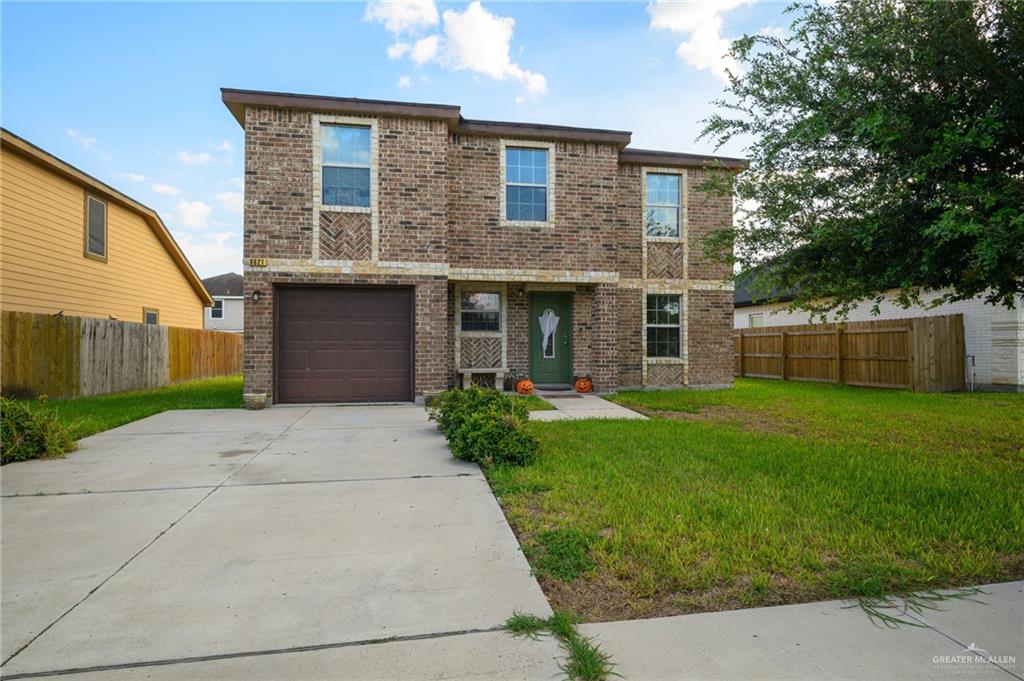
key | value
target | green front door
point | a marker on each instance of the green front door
(551, 337)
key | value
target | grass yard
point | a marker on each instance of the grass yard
(88, 415)
(773, 492)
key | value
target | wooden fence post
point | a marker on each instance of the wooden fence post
(839, 354)
(741, 354)
(783, 355)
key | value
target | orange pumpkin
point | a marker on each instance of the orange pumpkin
(524, 387)
(584, 385)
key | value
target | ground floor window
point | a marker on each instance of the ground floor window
(663, 325)
(481, 311)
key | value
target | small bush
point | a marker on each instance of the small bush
(31, 432)
(484, 426)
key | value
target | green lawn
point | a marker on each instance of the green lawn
(773, 492)
(88, 415)
(534, 403)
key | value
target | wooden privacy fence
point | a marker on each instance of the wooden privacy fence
(70, 356)
(924, 354)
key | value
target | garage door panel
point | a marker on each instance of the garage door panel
(344, 344)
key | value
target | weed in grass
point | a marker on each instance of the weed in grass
(893, 610)
(563, 554)
(585, 660)
(523, 624)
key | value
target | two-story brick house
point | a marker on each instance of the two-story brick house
(393, 249)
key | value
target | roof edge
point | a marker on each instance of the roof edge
(164, 236)
(544, 131)
(671, 158)
(236, 100)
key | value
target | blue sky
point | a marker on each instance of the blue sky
(130, 92)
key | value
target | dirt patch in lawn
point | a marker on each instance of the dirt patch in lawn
(751, 421)
(601, 597)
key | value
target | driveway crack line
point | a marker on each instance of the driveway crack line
(150, 543)
(256, 653)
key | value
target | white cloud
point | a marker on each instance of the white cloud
(211, 253)
(134, 177)
(479, 41)
(402, 16)
(424, 50)
(397, 50)
(84, 140)
(193, 214)
(198, 158)
(168, 189)
(705, 47)
(225, 146)
(404, 82)
(233, 201)
(471, 40)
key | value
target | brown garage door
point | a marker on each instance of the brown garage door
(339, 344)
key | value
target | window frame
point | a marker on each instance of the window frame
(683, 179)
(368, 166)
(678, 325)
(99, 257)
(148, 311)
(481, 332)
(534, 145)
(750, 320)
(318, 122)
(218, 309)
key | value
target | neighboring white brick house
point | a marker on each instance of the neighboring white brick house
(993, 335)
(228, 311)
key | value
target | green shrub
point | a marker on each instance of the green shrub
(452, 407)
(484, 426)
(31, 432)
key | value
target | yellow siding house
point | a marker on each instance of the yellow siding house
(70, 243)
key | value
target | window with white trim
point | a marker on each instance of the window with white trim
(664, 325)
(217, 309)
(481, 311)
(345, 165)
(526, 184)
(150, 316)
(663, 205)
(755, 320)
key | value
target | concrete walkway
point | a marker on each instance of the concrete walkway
(329, 542)
(571, 405)
(831, 640)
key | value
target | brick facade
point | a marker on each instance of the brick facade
(436, 225)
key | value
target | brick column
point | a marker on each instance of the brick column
(604, 338)
(258, 350)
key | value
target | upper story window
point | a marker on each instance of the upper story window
(664, 325)
(662, 205)
(526, 184)
(755, 320)
(95, 228)
(345, 165)
(481, 311)
(217, 310)
(150, 316)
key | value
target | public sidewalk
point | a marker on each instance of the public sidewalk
(979, 639)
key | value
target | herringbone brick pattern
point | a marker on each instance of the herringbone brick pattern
(480, 353)
(345, 236)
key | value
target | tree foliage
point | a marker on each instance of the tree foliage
(888, 151)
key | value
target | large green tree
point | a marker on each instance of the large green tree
(888, 151)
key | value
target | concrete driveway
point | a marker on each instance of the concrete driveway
(327, 542)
